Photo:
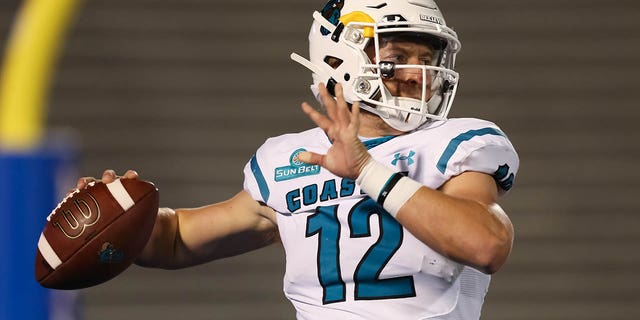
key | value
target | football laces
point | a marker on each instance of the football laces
(69, 196)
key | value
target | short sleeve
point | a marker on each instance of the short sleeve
(482, 147)
(499, 161)
(254, 181)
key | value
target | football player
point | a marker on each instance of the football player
(387, 209)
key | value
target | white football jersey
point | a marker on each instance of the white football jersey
(347, 258)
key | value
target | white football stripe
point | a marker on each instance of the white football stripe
(120, 194)
(47, 252)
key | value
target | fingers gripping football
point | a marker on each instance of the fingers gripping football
(108, 176)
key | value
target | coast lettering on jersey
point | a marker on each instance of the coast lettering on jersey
(310, 194)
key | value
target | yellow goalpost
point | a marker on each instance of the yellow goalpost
(34, 43)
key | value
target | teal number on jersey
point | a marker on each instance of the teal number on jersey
(325, 224)
(368, 285)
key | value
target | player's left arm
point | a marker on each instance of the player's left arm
(461, 221)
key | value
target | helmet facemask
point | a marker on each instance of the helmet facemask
(409, 93)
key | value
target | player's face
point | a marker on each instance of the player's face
(406, 82)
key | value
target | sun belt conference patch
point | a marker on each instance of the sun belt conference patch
(296, 169)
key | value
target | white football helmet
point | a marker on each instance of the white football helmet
(345, 28)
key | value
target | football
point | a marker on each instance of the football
(95, 233)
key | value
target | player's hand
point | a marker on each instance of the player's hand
(108, 176)
(347, 155)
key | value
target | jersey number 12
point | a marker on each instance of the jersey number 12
(368, 285)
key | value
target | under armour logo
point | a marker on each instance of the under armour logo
(399, 157)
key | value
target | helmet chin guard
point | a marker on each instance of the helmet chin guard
(342, 33)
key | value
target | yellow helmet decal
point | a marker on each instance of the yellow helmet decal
(359, 16)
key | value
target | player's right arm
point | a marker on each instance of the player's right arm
(187, 237)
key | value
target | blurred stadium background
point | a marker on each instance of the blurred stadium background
(185, 90)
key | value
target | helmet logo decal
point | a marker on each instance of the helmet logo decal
(331, 12)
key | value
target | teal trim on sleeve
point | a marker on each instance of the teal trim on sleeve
(455, 143)
(262, 183)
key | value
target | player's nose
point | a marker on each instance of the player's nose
(415, 76)
(410, 82)
(412, 76)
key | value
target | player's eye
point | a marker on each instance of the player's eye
(395, 58)
(426, 61)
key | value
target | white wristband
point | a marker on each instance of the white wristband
(373, 178)
(400, 194)
(388, 188)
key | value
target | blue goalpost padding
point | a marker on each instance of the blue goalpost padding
(31, 184)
